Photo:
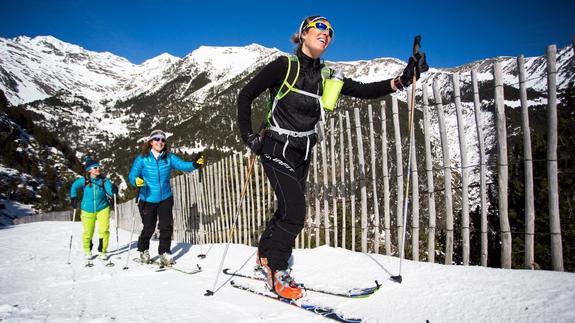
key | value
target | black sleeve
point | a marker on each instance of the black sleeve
(270, 76)
(361, 90)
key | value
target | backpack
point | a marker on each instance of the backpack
(289, 81)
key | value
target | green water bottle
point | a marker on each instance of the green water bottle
(331, 90)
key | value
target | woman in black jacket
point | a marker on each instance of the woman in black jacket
(296, 85)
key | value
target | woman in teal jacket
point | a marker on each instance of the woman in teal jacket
(94, 207)
(151, 172)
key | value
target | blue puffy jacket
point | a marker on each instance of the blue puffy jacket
(95, 191)
(156, 175)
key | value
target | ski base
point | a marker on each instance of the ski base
(351, 293)
(326, 312)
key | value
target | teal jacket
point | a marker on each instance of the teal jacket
(95, 191)
(156, 175)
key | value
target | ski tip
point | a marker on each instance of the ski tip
(209, 293)
(396, 279)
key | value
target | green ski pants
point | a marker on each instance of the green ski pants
(89, 224)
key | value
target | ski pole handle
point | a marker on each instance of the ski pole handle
(416, 44)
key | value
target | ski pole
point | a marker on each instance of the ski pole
(204, 255)
(230, 235)
(131, 232)
(117, 211)
(416, 45)
(71, 235)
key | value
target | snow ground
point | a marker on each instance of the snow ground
(38, 286)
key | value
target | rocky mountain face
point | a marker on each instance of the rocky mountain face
(101, 104)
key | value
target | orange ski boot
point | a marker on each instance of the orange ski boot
(285, 286)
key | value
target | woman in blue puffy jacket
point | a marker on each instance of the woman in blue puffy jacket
(94, 206)
(151, 174)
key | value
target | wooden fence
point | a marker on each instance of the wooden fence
(355, 191)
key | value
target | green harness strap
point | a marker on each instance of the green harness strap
(287, 86)
(290, 87)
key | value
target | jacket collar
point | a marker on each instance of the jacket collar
(151, 154)
(308, 62)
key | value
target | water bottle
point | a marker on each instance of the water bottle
(331, 90)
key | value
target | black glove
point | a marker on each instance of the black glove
(114, 189)
(199, 161)
(74, 202)
(254, 141)
(417, 63)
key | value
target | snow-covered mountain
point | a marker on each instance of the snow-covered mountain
(40, 67)
(100, 103)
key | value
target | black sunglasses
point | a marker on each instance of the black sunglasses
(159, 139)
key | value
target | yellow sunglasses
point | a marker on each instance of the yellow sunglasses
(321, 26)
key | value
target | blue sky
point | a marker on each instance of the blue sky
(453, 32)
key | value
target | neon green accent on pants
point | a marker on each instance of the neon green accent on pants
(89, 224)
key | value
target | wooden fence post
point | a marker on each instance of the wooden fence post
(554, 220)
(446, 175)
(399, 173)
(251, 206)
(325, 186)
(376, 236)
(333, 178)
(385, 172)
(351, 179)
(362, 180)
(483, 167)
(201, 208)
(343, 190)
(237, 210)
(258, 199)
(316, 195)
(414, 190)
(221, 209)
(227, 197)
(464, 170)
(429, 173)
(528, 169)
(210, 200)
(502, 167)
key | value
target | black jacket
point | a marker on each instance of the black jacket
(295, 111)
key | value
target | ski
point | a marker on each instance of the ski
(160, 267)
(351, 293)
(196, 270)
(324, 311)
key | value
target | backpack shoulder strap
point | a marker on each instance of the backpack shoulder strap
(291, 77)
(87, 181)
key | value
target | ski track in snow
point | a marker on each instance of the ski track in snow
(38, 285)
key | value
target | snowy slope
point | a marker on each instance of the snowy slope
(37, 68)
(38, 285)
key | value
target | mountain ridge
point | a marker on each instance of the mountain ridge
(100, 103)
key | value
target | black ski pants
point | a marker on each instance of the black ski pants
(287, 176)
(152, 213)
